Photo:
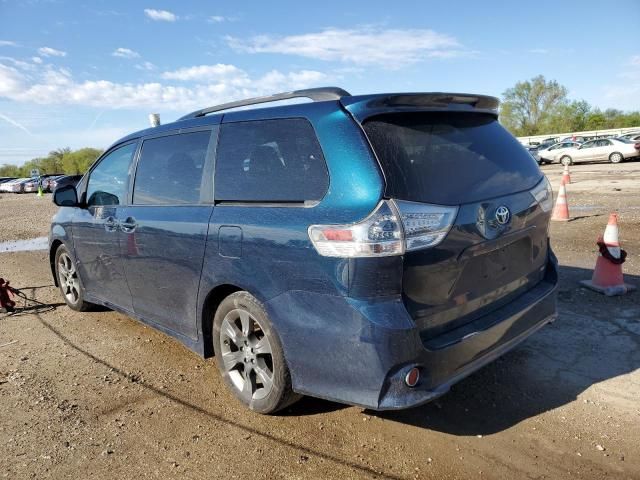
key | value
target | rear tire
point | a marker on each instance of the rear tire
(69, 281)
(250, 356)
(566, 160)
(616, 157)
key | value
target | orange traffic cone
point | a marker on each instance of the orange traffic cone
(566, 175)
(607, 276)
(561, 210)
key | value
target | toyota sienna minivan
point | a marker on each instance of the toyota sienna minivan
(371, 250)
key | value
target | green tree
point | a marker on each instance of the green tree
(79, 161)
(7, 170)
(528, 104)
(596, 120)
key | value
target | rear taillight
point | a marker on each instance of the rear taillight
(393, 228)
(636, 146)
(425, 225)
(543, 194)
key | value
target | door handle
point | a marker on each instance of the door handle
(129, 225)
(110, 224)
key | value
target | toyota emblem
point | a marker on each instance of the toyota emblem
(503, 215)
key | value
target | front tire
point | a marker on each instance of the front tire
(250, 356)
(69, 280)
(566, 160)
(616, 157)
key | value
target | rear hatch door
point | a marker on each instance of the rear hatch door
(497, 246)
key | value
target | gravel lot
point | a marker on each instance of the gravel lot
(24, 216)
(98, 395)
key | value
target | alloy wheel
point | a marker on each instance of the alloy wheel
(246, 355)
(68, 278)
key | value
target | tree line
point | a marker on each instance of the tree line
(62, 160)
(539, 107)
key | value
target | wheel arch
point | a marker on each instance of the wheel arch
(209, 307)
(52, 259)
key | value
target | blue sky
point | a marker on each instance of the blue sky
(85, 73)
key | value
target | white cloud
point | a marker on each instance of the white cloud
(363, 46)
(18, 63)
(216, 19)
(145, 66)
(125, 53)
(206, 72)
(160, 15)
(51, 52)
(8, 43)
(37, 60)
(218, 84)
(11, 81)
(539, 51)
(634, 61)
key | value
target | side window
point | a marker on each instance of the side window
(604, 143)
(270, 161)
(590, 144)
(170, 170)
(108, 181)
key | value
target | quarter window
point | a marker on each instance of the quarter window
(270, 161)
(108, 182)
(170, 170)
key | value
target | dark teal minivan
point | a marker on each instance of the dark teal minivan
(370, 249)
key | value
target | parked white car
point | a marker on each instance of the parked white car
(14, 186)
(554, 152)
(614, 150)
(633, 136)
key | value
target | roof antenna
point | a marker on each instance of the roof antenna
(154, 119)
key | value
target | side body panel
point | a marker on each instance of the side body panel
(163, 247)
(162, 260)
(276, 254)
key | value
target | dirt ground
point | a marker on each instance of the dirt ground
(98, 395)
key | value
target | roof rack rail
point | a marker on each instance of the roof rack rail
(315, 94)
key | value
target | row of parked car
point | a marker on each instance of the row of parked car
(30, 184)
(579, 149)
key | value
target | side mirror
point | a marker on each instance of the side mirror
(66, 196)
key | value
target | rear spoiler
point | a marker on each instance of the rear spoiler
(365, 106)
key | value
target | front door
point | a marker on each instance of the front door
(164, 230)
(586, 151)
(96, 229)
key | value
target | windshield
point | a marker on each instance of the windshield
(449, 158)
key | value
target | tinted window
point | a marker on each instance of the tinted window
(270, 161)
(449, 158)
(109, 179)
(170, 170)
(590, 144)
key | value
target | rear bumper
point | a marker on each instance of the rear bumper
(359, 351)
(449, 358)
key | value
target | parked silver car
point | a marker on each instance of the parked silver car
(613, 149)
(633, 136)
(31, 186)
(14, 186)
(554, 152)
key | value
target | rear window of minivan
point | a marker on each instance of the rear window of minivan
(449, 158)
(277, 160)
